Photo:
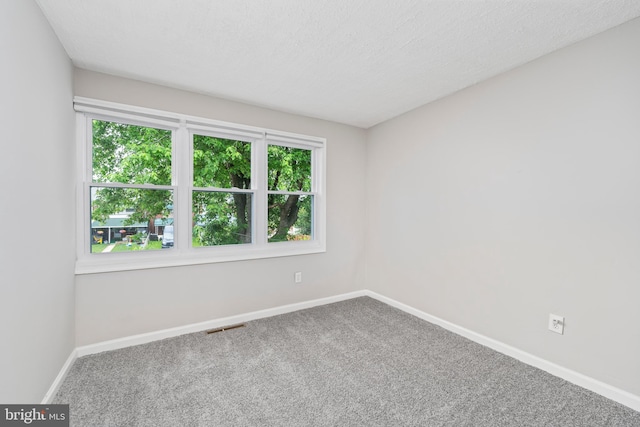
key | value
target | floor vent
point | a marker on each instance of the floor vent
(225, 328)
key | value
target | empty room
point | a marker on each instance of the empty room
(292, 213)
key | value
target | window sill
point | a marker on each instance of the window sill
(112, 262)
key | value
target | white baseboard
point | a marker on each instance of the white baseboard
(210, 324)
(60, 378)
(606, 390)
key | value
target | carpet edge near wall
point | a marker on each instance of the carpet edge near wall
(616, 394)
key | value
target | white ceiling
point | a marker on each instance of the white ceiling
(358, 62)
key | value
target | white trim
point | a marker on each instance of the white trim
(183, 128)
(132, 186)
(181, 178)
(259, 180)
(224, 133)
(292, 142)
(115, 109)
(618, 395)
(599, 387)
(126, 117)
(294, 193)
(210, 324)
(82, 163)
(142, 260)
(231, 190)
(55, 386)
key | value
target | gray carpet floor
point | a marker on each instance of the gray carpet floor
(354, 363)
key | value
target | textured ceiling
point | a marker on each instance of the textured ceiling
(358, 62)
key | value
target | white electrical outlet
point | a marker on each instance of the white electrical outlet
(298, 277)
(556, 324)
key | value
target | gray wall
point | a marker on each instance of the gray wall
(120, 304)
(517, 198)
(37, 167)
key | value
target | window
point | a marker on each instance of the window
(222, 194)
(131, 191)
(160, 189)
(290, 197)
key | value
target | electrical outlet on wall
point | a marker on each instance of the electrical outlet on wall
(297, 277)
(556, 323)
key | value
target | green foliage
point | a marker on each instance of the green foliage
(138, 238)
(305, 215)
(221, 218)
(124, 247)
(289, 216)
(221, 163)
(98, 247)
(130, 154)
(289, 170)
(154, 246)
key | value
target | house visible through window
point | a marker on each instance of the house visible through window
(163, 188)
(131, 193)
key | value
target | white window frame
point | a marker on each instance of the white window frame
(183, 127)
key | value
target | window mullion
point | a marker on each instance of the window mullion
(259, 183)
(83, 171)
(319, 184)
(295, 193)
(222, 190)
(140, 186)
(182, 180)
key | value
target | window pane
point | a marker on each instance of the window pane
(289, 169)
(131, 154)
(130, 219)
(221, 163)
(290, 217)
(221, 218)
